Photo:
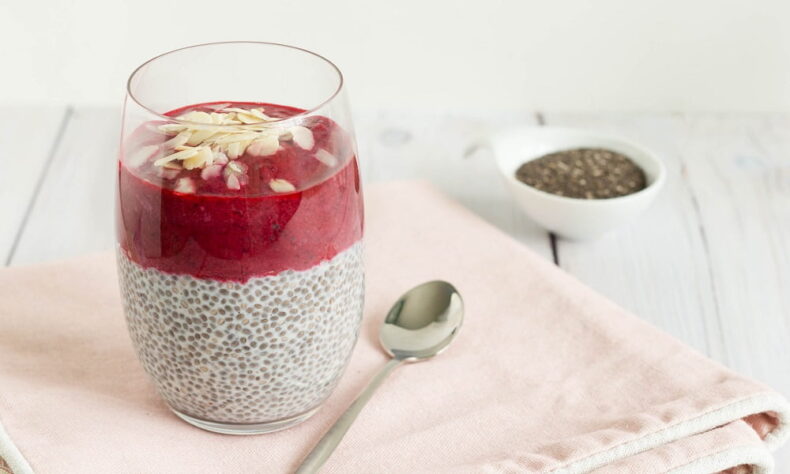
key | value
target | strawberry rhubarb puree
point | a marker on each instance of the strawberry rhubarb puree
(256, 214)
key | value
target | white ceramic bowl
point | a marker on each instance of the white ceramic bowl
(573, 218)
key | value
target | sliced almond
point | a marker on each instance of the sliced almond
(255, 112)
(247, 118)
(172, 128)
(199, 161)
(199, 136)
(236, 149)
(325, 157)
(167, 173)
(235, 174)
(220, 157)
(303, 137)
(196, 116)
(264, 146)
(281, 186)
(239, 110)
(178, 140)
(203, 158)
(217, 107)
(213, 171)
(155, 128)
(223, 119)
(233, 166)
(185, 185)
(173, 165)
(179, 155)
(232, 182)
(262, 127)
(258, 112)
(138, 157)
(235, 137)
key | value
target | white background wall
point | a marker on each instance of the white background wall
(494, 54)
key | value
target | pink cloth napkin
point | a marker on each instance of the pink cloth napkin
(545, 375)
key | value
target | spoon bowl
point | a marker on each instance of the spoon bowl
(423, 322)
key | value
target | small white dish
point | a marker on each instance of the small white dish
(573, 218)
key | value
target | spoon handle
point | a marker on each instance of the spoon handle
(324, 448)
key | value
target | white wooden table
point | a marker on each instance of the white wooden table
(709, 263)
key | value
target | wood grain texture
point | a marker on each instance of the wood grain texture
(73, 211)
(447, 151)
(739, 169)
(28, 137)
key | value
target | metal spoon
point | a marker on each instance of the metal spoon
(421, 324)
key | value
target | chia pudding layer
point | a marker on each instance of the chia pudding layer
(252, 352)
(240, 262)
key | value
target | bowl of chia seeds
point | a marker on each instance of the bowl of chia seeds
(576, 183)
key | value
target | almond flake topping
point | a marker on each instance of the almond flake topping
(325, 157)
(167, 173)
(220, 158)
(264, 146)
(235, 137)
(181, 139)
(203, 158)
(211, 141)
(185, 185)
(213, 171)
(235, 175)
(199, 136)
(171, 128)
(247, 118)
(235, 150)
(256, 113)
(232, 182)
(235, 167)
(303, 137)
(179, 155)
(281, 186)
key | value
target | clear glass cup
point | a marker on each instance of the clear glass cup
(239, 223)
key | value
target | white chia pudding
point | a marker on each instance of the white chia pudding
(268, 349)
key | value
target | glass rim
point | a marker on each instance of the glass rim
(335, 93)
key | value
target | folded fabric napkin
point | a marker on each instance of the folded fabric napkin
(545, 375)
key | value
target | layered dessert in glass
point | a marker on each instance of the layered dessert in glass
(240, 259)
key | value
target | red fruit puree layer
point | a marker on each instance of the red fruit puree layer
(235, 234)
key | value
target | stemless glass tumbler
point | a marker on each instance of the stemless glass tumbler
(239, 224)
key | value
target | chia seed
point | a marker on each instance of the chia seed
(584, 173)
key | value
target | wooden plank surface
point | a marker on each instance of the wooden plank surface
(28, 139)
(73, 212)
(739, 170)
(709, 263)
